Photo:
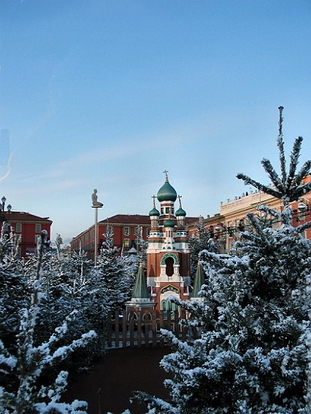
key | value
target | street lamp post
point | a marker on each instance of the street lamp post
(3, 218)
(2, 208)
(96, 205)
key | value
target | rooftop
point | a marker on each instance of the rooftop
(23, 216)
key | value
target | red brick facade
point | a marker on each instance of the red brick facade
(26, 227)
(124, 226)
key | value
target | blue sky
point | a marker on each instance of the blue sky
(108, 94)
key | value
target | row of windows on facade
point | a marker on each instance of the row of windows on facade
(18, 238)
(240, 223)
(19, 228)
(126, 231)
(137, 231)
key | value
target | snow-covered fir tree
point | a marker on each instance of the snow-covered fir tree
(115, 272)
(141, 246)
(69, 284)
(252, 353)
(26, 368)
(203, 240)
(13, 292)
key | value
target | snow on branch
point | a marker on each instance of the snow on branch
(6, 359)
(261, 187)
(272, 174)
(294, 162)
(289, 187)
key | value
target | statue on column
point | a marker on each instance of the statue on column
(95, 202)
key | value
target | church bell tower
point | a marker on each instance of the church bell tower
(168, 270)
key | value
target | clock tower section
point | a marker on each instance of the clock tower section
(168, 270)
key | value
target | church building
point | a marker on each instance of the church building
(168, 270)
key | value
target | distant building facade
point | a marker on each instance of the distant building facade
(126, 229)
(232, 218)
(24, 228)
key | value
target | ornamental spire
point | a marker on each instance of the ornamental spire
(166, 175)
(199, 281)
(140, 290)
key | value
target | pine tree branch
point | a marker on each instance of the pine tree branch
(273, 175)
(260, 187)
(280, 144)
(303, 172)
(286, 215)
(266, 209)
(294, 162)
(300, 229)
(256, 225)
(300, 191)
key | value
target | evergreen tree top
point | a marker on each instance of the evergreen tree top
(287, 186)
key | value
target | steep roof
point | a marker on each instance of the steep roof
(198, 281)
(140, 290)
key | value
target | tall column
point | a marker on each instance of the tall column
(96, 205)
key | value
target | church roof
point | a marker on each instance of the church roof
(140, 290)
(180, 212)
(167, 192)
(154, 212)
(169, 223)
(198, 281)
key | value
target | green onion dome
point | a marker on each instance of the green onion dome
(167, 193)
(180, 212)
(154, 212)
(169, 223)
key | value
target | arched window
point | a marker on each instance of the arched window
(169, 262)
(168, 306)
(132, 316)
(147, 317)
(174, 306)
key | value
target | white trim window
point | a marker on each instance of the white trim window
(126, 231)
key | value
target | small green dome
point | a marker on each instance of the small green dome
(169, 223)
(181, 212)
(154, 212)
(167, 193)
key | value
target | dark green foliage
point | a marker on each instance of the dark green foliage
(203, 240)
(289, 186)
(29, 365)
(116, 275)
